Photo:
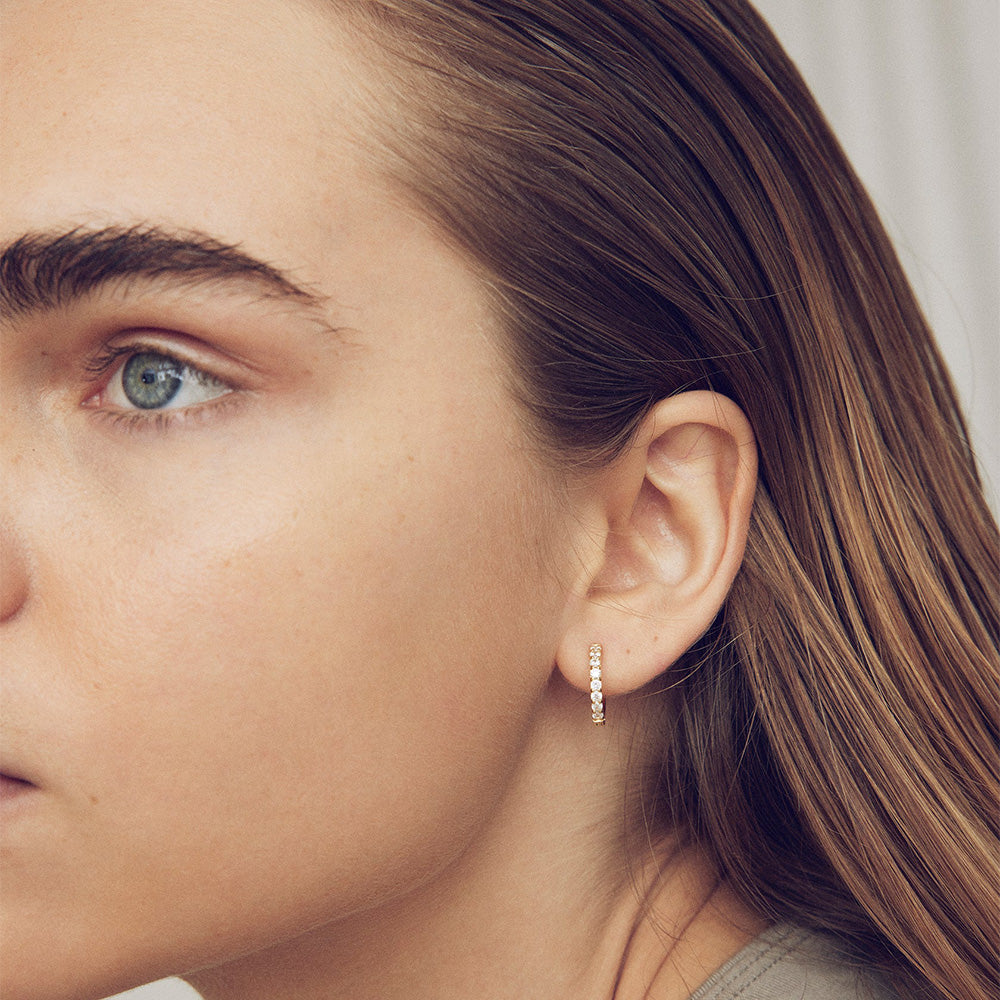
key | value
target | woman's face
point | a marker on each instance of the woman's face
(278, 589)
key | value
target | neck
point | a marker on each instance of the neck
(542, 903)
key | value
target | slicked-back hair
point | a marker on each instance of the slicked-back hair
(658, 205)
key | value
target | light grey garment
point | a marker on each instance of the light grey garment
(789, 963)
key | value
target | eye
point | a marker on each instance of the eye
(149, 380)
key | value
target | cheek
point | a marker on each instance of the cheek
(264, 676)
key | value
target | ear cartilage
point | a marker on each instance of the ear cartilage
(596, 692)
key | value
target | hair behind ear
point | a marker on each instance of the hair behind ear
(759, 737)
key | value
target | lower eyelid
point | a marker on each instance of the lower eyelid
(160, 421)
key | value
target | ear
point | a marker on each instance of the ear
(663, 534)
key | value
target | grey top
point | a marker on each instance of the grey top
(789, 963)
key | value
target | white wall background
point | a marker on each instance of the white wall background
(165, 989)
(911, 87)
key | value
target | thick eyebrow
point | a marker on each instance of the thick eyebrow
(40, 271)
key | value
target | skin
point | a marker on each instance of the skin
(296, 673)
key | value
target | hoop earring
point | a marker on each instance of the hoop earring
(596, 692)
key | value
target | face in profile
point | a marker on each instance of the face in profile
(273, 612)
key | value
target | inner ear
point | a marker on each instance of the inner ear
(645, 545)
(677, 526)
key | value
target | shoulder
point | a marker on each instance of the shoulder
(790, 963)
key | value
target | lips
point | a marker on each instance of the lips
(11, 783)
(13, 786)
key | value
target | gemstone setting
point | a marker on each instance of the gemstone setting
(596, 686)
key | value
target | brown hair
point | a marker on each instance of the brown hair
(659, 205)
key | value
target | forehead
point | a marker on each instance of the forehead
(235, 118)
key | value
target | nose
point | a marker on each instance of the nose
(14, 561)
(13, 574)
(13, 555)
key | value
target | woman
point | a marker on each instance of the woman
(393, 390)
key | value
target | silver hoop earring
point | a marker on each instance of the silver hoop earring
(596, 692)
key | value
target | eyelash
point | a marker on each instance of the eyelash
(113, 360)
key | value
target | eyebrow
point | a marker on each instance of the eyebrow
(40, 271)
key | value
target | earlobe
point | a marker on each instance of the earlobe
(675, 512)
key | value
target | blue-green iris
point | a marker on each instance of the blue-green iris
(150, 381)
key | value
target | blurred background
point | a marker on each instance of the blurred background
(912, 89)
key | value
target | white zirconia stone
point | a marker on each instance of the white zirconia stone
(595, 685)
(596, 697)
(595, 674)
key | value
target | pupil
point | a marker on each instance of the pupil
(150, 381)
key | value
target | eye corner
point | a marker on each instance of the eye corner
(92, 402)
